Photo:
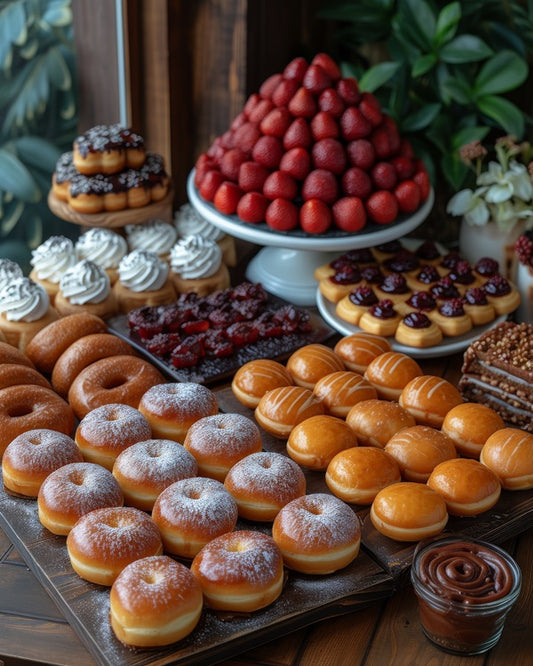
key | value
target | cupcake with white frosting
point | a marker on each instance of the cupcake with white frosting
(143, 279)
(85, 287)
(50, 260)
(24, 310)
(196, 266)
(9, 271)
(189, 222)
(104, 247)
(154, 236)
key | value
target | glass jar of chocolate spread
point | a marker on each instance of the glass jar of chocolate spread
(465, 588)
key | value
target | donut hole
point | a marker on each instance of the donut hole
(151, 578)
(19, 411)
(77, 478)
(314, 510)
(193, 493)
(114, 382)
(266, 463)
(238, 547)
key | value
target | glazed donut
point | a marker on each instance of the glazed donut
(116, 379)
(154, 601)
(104, 541)
(263, 483)
(83, 352)
(316, 440)
(172, 408)
(390, 372)
(375, 421)
(219, 441)
(429, 399)
(10, 354)
(106, 431)
(467, 486)
(356, 475)
(255, 378)
(12, 374)
(28, 407)
(358, 349)
(340, 391)
(72, 491)
(509, 454)
(311, 362)
(192, 512)
(146, 468)
(469, 425)
(240, 571)
(32, 456)
(282, 408)
(418, 450)
(408, 511)
(50, 342)
(317, 534)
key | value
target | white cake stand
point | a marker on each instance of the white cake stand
(285, 265)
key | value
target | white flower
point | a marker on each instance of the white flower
(471, 205)
(503, 185)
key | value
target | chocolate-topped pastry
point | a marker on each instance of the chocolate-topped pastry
(63, 175)
(108, 149)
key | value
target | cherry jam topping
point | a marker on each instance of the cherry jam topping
(427, 251)
(403, 261)
(340, 262)
(462, 273)
(383, 310)
(394, 284)
(487, 266)
(372, 274)
(347, 274)
(428, 274)
(417, 320)
(475, 296)
(363, 296)
(444, 288)
(452, 308)
(391, 247)
(450, 260)
(497, 286)
(360, 256)
(422, 300)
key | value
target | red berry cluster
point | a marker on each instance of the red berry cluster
(311, 150)
(524, 250)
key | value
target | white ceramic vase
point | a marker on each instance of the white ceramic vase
(489, 240)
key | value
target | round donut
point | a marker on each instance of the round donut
(51, 341)
(356, 475)
(146, 468)
(390, 372)
(429, 399)
(317, 534)
(219, 441)
(72, 491)
(11, 354)
(83, 352)
(116, 379)
(311, 362)
(154, 601)
(32, 456)
(315, 441)
(469, 425)
(263, 483)
(12, 374)
(104, 541)
(340, 391)
(375, 421)
(192, 512)
(106, 431)
(240, 571)
(282, 408)
(408, 511)
(173, 407)
(28, 407)
(255, 378)
(358, 349)
(509, 454)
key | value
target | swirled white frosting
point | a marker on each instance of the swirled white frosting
(24, 300)
(102, 246)
(155, 236)
(141, 270)
(52, 258)
(85, 282)
(195, 257)
(189, 222)
(9, 270)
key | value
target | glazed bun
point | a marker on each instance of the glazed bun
(467, 486)
(281, 409)
(408, 511)
(315, 441)
(429, 399)
(390, 372)
(375, 421)
(470, 425)
(509, 454)
(255, 378)
(312, 362)
(340, 391)
(358, 349)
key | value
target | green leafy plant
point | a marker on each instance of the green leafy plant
(38, 115)
(443, 70)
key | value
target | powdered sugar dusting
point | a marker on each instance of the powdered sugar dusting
(160, 461)
(267, 474)
(224, 433)
(180, 398)
(114, 426)
(42, 449)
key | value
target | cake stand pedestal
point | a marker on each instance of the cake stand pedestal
(285, 265)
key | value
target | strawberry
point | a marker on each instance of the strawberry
(315, 216)
(302, 104)
(298, 135)
(282, 215)
(252, 176)
(320, 184)
(381, 141)
(420, 165)
(354, 125)
(422, 179)
(280, 185)
(251, 103)
(349, 214)
(324, 126)
(316, 79)
(210, 184)
(238, 121)
(328, 64)
(390, 126)
(408, 196)
(356, 183)
(331, 101)
(269, 85)
(246, 136)
(284, 92)
(297, 162)
(230, 163)
(276, 122)
(329, 154)
(383, 176)
(268, 151)
(404, 166)
(227, 197)
(382, 207)
(203, 164)
(361, 153)
(226, 140)
(252, 207)
(406, 149)
(296, 69)
(371, 108)
(260, 110)
(348, 90)
(216, 151)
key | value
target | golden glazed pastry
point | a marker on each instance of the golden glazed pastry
(312, 362)
(469, 425)
(341, 390)
(509, 454)
(390, 372)
(316, 440)
(375, 421)
(283, 408)
(358, 349)
(253, 379)
(429, 399)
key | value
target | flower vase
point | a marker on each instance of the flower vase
(524, 284)
(489, 240)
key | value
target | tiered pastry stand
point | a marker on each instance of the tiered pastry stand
(286, 264)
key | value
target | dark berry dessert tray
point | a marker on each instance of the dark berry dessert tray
(206, 340)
